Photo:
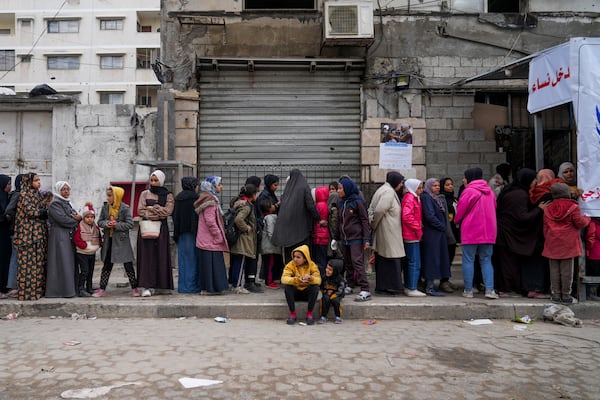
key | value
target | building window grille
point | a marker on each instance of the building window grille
(64, 26)
(7, 60)
(111, 62)
(111, 25)
(63, 62)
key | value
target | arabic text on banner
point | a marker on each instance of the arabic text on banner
(549, 76)
(395, 155)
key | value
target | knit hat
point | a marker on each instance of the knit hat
(88, 209)
(560, 191)
(270, 179)
(253, 180)
(472, 174)
(394, 178)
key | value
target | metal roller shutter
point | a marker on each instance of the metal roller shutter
(277, 118)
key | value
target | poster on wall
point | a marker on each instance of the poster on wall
(585, 59)
(395, 147)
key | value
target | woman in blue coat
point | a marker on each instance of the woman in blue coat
(435, 263)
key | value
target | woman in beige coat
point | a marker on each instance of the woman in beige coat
(384, 215)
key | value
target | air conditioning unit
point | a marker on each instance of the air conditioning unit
(347, 19)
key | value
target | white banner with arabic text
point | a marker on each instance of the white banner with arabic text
(549, 76)
(585, 87)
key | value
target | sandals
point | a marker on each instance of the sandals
(363, 296)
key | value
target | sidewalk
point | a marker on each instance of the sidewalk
(118, 303)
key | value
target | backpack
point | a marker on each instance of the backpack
(232, 234)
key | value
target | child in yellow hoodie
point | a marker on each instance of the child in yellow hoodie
(301, 280)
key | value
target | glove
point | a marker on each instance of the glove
(43, 214)
(334, 245)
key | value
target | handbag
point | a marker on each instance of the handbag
(150, 229)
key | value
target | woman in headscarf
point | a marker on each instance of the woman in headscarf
(210, 238)
(116, 222)
(296, 216)
(154, 255)
(566, 172)
(434, 244)
(519, 224)
(412, 232)
(31, 240)
(5, 243)
(10, 214)
(60, 280)
(541, 191)
(385, 216)
(453, 232)
(185, 225)
(271, 186)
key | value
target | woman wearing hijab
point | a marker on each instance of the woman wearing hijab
(541, 190)
(115, 220)
(31, 240)
(296, 216)
(154, 255)
(185, 225)
(434, 244)
(5, 242)
(271, 186)
(210, 238)
(384, 215)
(412, 232)
(566, 172)
(519, 224)
(63, 219)
(10, 214)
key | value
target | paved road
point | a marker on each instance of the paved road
(266, 359)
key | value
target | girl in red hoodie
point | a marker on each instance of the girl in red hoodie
(562, 222)
(320, 239)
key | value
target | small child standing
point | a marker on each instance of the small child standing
(272, 259)
(87, 241)
(592, 252)
(562, 222)
(333, 287)
(320, 236)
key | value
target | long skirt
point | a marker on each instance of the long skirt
(31, 270)
(388, 274)
(213, 275)
(187, 281)
(154, 261)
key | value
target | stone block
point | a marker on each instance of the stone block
(458, 147)
(450, 135)
(439, 146)
(186, 154)
(419, 171)
(434, 112)
(430, 61)
(470, 62)
(453, 112)
(427, 71)
(465, 72)
(371, 108)
(416, 107)
(369, 155)
(463, 101)
(449, 61)
(441, 101)
(370, 137)
(443, 157)
(495, 158)
(186, 119)
(461, 123)
(443, 72)
(403, 107)
(418, 156)
(186, 105)
(185, 137)
(472, 158)
(473, 135)
(482, 147)
(438, 123)
(419, 137)
(85, 120)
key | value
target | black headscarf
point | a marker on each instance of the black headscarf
(189, 183)
(18, 181)
(270, 179)
(4, 180)
(473, 174)
(394, 178)
(524, 178)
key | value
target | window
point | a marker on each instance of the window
(280, 4)
(144, 101)
(111, 24)
(503, 6)
(145, 57)
(26, 24)
(7, 60)
(111, 62)
(4, 31)
(25, 58)
(63, 62)
(65, 26)
(111, 98)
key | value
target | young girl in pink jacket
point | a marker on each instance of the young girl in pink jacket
(412, 231)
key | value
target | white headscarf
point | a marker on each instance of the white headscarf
(412, 185)
(160, 176)
(58, 186)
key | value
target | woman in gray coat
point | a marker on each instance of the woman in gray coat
(63, 219)
(116, 222)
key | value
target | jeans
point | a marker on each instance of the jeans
(485, 252)
(413, 253)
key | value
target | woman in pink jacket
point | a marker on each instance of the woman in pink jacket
(476, 216)
(210, 239)
(412, 231)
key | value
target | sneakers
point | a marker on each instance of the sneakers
(363, 296)
(568, 301)
(321, 320)
(491, 294)
(273, 285)
(434, 292)
(146, 293)
(135, 292)
(413, 293)
(83, 293)
(3, 296)
(254, 287)
(348, 290)
(98, 293)
(291, 319)
(338, 320)
(238, 290)
(13, 293)
(555, 299)
(309, 319)
(467, 293)
(446, 287)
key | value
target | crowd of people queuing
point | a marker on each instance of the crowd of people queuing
(519, 237)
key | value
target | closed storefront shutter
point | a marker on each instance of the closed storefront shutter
(273, 119)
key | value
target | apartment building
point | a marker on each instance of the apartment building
(99, 51)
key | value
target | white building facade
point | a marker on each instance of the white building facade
(99, 51)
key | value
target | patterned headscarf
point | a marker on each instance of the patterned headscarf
(210, 185)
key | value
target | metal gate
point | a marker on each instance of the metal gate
(278, 115)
